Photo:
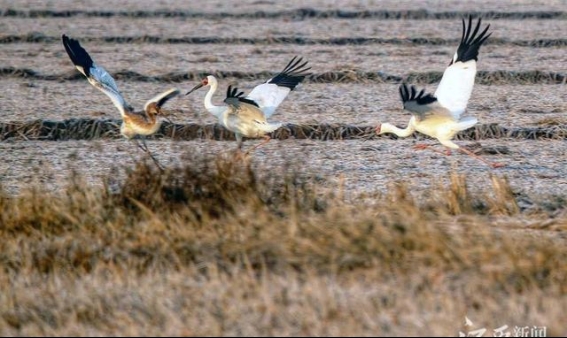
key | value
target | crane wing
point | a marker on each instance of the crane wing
(162, 98)
(270, 94)
(235, 98)
(422, 105)
(96, 75)
(457, 83)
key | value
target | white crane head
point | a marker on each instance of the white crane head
(390, 128)
(207, 81)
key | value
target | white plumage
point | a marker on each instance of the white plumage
(247, 116)
(455, 88)
(270, 94)
(440, 115)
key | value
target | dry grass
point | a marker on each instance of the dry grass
(499, 77)
(37, 37)
(217, 247)
(296, 14)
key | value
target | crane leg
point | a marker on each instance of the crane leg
(239, 154)
(144, 147)
(492, 164)
(422, 146)
(266, 140)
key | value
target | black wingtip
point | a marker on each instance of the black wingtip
(293, 73)
(409, 93)
(233, 93)
(171, 94)
(403, 92)
(77, 53)
(471, 40)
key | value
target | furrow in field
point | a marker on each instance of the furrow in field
(157, 60)
(279, 40)
(89, 129)
(422, 78)
(273, 30)
(296, 14)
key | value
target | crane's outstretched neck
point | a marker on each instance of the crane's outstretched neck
(390, 128)
(211, 108)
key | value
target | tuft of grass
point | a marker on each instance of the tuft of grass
(551, 122)
(220, 246)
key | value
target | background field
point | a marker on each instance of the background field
(359, 52)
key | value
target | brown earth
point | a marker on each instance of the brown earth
(261, 5)
(511, 30)
(535, 169)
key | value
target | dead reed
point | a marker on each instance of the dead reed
(222, 247)
(89, 129)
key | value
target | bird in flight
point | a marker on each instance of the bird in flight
(440, 115)
(247, 116)
(134, 123)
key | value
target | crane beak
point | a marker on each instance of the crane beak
(378, 129)
(195, 88)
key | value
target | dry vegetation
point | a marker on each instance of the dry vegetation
(91, 129)
(218, 247)
(327, 230)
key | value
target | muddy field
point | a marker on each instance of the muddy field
(357, 64)
(359, 53)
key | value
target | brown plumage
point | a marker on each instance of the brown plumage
(134, 123)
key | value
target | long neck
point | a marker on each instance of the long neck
(390, 128)
(211, 108)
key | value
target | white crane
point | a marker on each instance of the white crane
(134, 123)
(439, 115)
(247, 116)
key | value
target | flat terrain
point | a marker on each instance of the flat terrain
(517, 99)
(534, 169)
(359, 53)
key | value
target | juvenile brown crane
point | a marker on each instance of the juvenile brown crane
(134, 123)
